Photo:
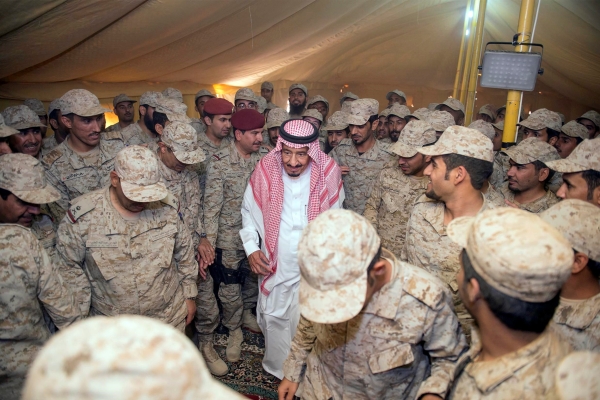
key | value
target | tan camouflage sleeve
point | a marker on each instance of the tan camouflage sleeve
(302, 344)
(373, 202)
(192, 211)
(187, 266)
(59, 207)
(213, 202)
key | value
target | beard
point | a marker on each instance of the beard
(297, 110)
(433, 195)
(149, 124)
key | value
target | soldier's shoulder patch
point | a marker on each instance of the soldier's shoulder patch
(219, 155)
(345, 143)
(423, 286)
(172, 201)
(53, 155)
(112, 135)
(82, 205)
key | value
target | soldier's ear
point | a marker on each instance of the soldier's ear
(114, 179)
(473, 291)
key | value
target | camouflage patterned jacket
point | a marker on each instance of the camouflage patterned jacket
(578, 321)
(537, 206)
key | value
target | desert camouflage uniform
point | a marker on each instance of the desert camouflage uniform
(115, 128)
(494, 196)
(364, 170)
(209, 149)
(28, 281)
(428, 246)
(44, 228)
(383, 352)
(226, 180)
(501, 167)
(133, 135)
(48, 144)
(578, 321)
(199, 126)
(144, 267)
(537, 206)
(528, 373)
(74, 175)
(390, 204)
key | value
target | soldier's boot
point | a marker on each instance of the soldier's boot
(214, 363)
(234, 345)
(249, 322)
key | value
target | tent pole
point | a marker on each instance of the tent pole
(469, 58)
(513, 100)
(474, 70)
(461, 54)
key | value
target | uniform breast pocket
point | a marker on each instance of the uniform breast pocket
(160, 246)
(392, 200)
(107, 261)
(393, 357)
(81, 181)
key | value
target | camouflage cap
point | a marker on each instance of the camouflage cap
(25, 177)
(530, 150)
(361, 110)
(533, 271)
(81, 102)
(454, 104)
(333, 266)
(441, 120)
(593, 116)
(484, 127)
(271, 106)
(337, 122)
(395, 91)
(399, 111)
(346, 106)
(173, 93)
(266, 85)
(583, 158)
(575, 129)
(54, 105)
(577, 376)
(21, 117)
(579, 223)
(348, 95)
(542, 118)
(299, 86)
(150, 98)
(562, 117)
(421, 114)
(202, 93)
(5, 130)
(311, 112)
(499, 125)
(174, 109)
(122, 357)
(464, 141)
(121, 98)
(36, 105)
(182, 139)
(316, 99)
(261, 104)
(489, 110)
(245, 94)
(414, 135)
(384, 113)
(432, 106)
(140, 177)
(276, 117)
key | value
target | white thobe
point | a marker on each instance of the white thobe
(278, 313)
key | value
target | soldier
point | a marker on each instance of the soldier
(501, 164)
(396, 121)
(261, 105)
(38, 107)
(266, 91)
(173, 93)
(337, 130)
(226, 180)
(348, 97)
(576, 376)
(383, 129)
(432, 106)
(60, 129)
(399, 184)
(571, 134)
(353, 340)
(320, 104)
(200, 100)
(513, 265)
(361, 157)
(276, 117)
(440, 120)
(455, 108)
(500, 113)
(486, 113)
(314, 117)
(591, 120)
(461, 161)
(577, 317)
(421, 114)
(5, 132)
(542, 124)
(245, 98)
(298, 94)
(126, 357)
(123, 108)
(581, 173)
(529, 175)
(488, 190)
(131, 244)
(29, 139)
(143, 131)
(168, 111)
(395, 97)
(82, 162)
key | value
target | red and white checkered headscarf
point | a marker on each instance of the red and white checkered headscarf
(267, 186)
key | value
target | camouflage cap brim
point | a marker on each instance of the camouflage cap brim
(356, 120)
(144, 194)
(434, 150)
(6, 131)
(336, 127)
(46, 195)
(179, 118)
(533, 124)
(273, 124)
(403, 150)
(565, 166)
(90, 112)
(190, 157)
(27, 125)
(515, 154)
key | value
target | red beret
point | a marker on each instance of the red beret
(218, 106)
(247, 119)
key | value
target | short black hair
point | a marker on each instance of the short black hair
(372, 118)
(478, 170)
(373, 262)
(4, 194)
(592, 178)
(209, 115)
(159, 118)
(538, 166)
(516, 314)
(53, 115)
(552, 133)
(594, 267)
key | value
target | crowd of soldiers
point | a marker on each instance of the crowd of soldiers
(458, 268)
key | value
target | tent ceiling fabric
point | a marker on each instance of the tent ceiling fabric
(106, 45)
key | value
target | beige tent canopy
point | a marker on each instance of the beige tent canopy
(366, 46)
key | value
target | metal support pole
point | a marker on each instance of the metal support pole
(474, 71)
(513, 100)
(469, 57)
(461, 54)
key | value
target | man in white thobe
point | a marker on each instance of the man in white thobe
(289, 187)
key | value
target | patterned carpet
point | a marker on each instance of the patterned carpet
(247, 375)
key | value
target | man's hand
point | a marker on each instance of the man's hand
(202, 267)
(345, 169)
(191, 310)
(259, 263)
(510, 204)
(287, 389)
(206, 251)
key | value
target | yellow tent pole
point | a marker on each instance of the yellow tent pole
(513, 100)
(474, 71)
(469, 57)
(461, 54)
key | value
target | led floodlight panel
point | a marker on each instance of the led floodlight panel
(510, 70)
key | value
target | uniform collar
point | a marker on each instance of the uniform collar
(386, 301)
(116, 224)
(578, 316)
(435, 214)
(371, 154)
(76, 160)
